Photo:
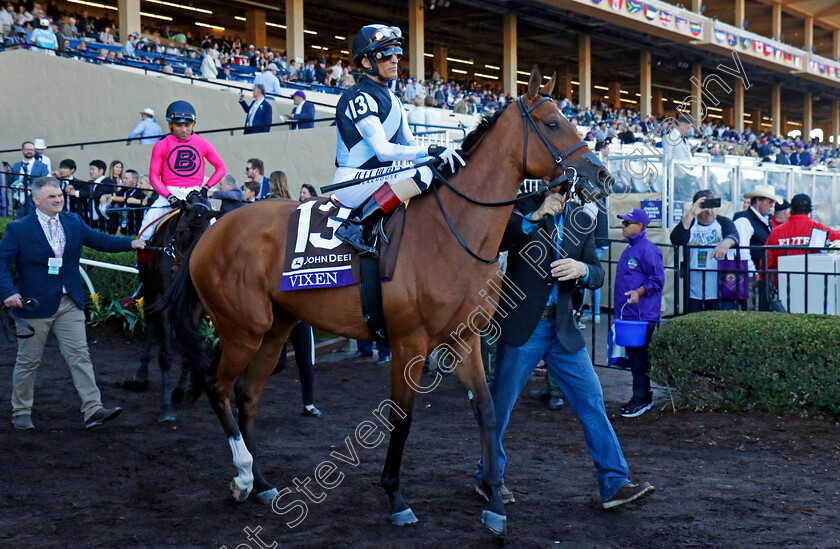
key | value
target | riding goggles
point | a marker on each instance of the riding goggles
(385, 33)
(385, 54)
(181, 117)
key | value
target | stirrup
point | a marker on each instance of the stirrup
(352, 233)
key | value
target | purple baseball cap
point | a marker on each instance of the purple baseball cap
(300, 94)
(636, 216)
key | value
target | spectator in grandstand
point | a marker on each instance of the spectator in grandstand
(541, 327)
(413, 89)
(293, 70)
(48, 271)
(188, 72)
(307, 191)
(167, 69)
(177, 169)
(781, 214)
(208, 66)
(754, 228)
(601, 133)
(303, 112)
(268, 78)
(7, 21)
(249, 191)
(148, 129)
(105, 37)
(226, 73)
(801, 157)
(44, 38)
(675, 145)
(460, 106)
(783, 156)
(796, 232)
(131, 199)
(626, 135)
(115, 171)
(639, 279)
(172, 49)
(40, 146)
(347, 78)
(714, 235)
(321, 75)
(254, 170)
(258, 118)
(431, 114)
(228, 194)
(130, 45)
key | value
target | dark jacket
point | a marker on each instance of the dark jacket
(231, 200)
(761, 232)
(306, 117)
(528, 281)
(262, 118)
(26, 246)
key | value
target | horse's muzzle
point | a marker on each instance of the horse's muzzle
(594, 180)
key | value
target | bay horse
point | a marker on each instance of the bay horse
(175, 234)
(437, 284)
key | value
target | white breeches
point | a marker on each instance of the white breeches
(158, 209)
(357, 194)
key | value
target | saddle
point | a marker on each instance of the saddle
(315, 258)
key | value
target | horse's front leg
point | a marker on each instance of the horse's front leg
(471, 374)
(166, 411)
(405, 366)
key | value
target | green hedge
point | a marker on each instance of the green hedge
(109, 284)
(777, 362)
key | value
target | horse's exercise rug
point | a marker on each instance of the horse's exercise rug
(315, 258)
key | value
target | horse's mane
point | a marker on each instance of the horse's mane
(470, 142)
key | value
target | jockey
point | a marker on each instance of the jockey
(373, 133)
(176, 169)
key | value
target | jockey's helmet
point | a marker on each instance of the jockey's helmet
(376, 42)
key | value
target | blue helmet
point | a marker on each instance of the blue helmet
(180, 111)
(376, 42)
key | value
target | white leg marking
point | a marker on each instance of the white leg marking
(243, 461)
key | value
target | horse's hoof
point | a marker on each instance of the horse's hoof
(496, 522)
(135, 385)
(268, 496)
(239, 494)
(166, 416)
(404, 517)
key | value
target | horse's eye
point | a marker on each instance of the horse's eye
(551, 125)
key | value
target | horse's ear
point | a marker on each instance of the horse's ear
(549, 86)
(534, 82)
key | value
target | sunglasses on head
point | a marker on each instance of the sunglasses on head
(384, 34)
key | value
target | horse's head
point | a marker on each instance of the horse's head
(197, 210)
(555, 151)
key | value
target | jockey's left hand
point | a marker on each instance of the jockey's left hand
(174, 201)
(447, 154)
(203, 192)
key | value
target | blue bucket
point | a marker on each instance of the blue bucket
(630, 333)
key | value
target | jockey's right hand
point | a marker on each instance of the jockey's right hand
(174, 201)
(447, 154)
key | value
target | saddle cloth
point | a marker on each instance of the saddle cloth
(315, 258)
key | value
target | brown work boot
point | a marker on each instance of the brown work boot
(629, 492)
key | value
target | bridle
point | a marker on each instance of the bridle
(198, 222)
(569, 174)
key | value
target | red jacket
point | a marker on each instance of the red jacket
(796, 232)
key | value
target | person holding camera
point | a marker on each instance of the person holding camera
(714, 235)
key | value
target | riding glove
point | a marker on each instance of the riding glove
(203, 192)
(174, 201)
(447, 154)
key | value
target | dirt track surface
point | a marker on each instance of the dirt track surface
(722, 480)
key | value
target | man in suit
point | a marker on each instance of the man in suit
(45, 247)
(550, 250)
(258, 119)
(304, 111)
(783, 157)
(19, 178)
(801, 157)
(254, 170)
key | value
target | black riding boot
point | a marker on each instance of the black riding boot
(142, 276)
(358, 228)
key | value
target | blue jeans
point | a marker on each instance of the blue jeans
(576, 376)
(366, 347)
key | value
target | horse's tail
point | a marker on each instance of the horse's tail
(180, 304)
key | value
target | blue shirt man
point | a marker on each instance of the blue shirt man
(147, 130)
(639, 279)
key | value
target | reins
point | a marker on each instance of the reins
(29, 303)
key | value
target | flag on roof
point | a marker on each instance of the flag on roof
(682, 24)
(617, 4)
(758, 46)
(788, 58)
(746, 42)
(732, 39)
(696, 28)
(768, 50)
(650, 12)
(596, 1)
(778, 55)
(797, 60)
(635, 6)
(664, 18)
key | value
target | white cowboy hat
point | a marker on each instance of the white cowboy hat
(764, 191)
(148, 111)
(40, 144)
